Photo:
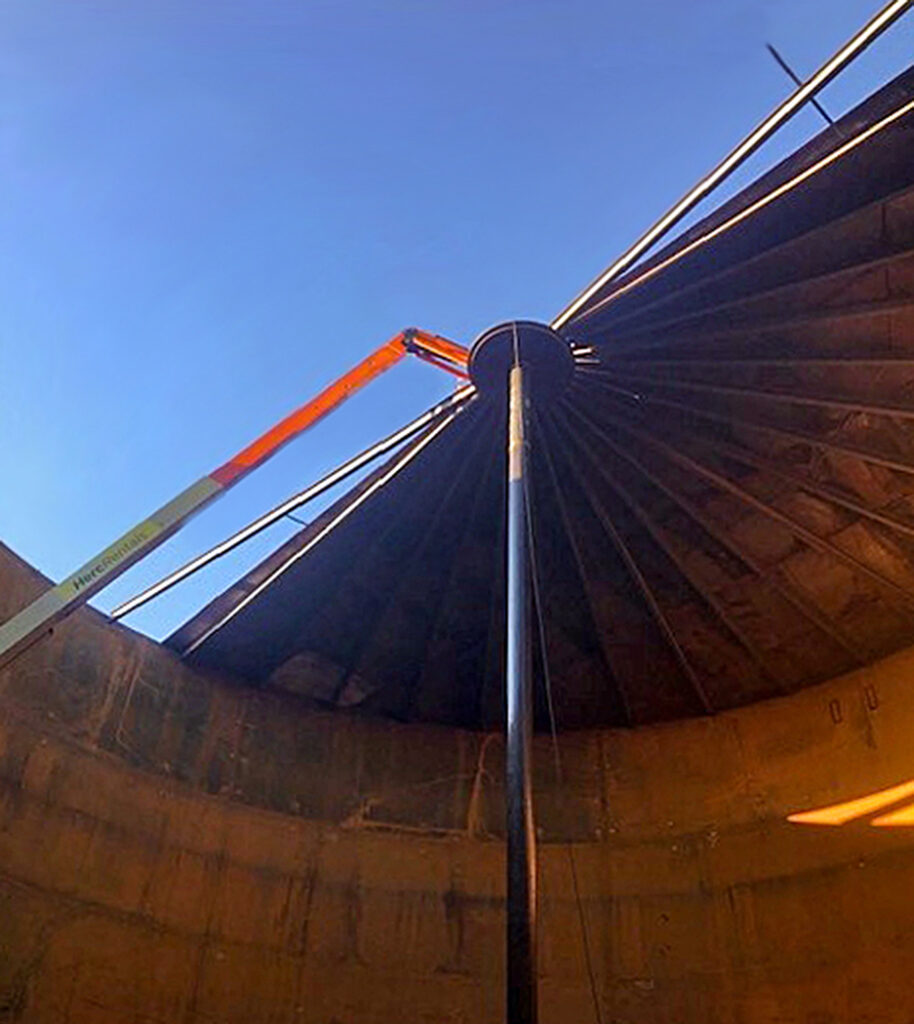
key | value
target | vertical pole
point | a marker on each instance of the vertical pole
(521, 887)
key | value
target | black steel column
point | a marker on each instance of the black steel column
(530, 362)
(521, 960)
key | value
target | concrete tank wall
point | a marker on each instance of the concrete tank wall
(177, 848)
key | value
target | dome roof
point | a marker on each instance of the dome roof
(722, 501)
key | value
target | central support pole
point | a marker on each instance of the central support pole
(520, 362)
(521, 960)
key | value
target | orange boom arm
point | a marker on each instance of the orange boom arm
(427, 346)
(306, 416)
(37, 618)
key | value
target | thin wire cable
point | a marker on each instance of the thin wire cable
(559, 773)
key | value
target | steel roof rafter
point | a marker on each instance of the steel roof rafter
(852, 311)
(428, 541)
(698, 587)
(808, 536)
(736, 422)
(763, 394)
(365, 637)
(878, 24)
(400, 463)
(856, 270)
(779, 251)
(651, 600)
(608, 656)
(813, 487)
(763, 575)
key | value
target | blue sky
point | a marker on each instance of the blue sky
(209, 210)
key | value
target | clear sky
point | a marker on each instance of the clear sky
(210, 209)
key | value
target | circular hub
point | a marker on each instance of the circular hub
(544, 355)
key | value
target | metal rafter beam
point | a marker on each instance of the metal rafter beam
(801, 604)
(319, 531)
(789, 434)
(878, 24)
(491, 668)
(282, 510)
(653, 269)
(580, 565)
(492, 659)
(725, 483)
(647, 593)
(336, 608)
(852, 311)
(775, 252)
(764, 394)
(787, 363)
(697, 586)
(749, 458)
(853, 270)
(438, 602)
(428, 540)
(649, 598)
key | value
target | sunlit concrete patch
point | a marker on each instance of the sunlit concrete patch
(852, 810)
(903, 816)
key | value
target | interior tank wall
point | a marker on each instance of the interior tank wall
(177, 848)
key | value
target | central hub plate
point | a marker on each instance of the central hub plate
(544, 354)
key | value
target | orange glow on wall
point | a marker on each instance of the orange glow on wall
(851, 810)
(904, 816)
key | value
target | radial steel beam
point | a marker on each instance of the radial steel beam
(784, 363)
(320, 531)
(326, 482)
(855, 311)
(521, 881)
(412, 565)
(779, 252)
(647, 594)
(733, 420)
(493, 662)
(778, 117)
(698, 587)
(728, 485)
(802, 604)
(452, 584)
(748, 458)
(841, 151)
(854, 270)
(581, 566)
(766, 394)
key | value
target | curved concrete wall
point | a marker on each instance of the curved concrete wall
(177, 848)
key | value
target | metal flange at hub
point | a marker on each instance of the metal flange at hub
(544, 354)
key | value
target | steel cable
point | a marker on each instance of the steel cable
(559, 773)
